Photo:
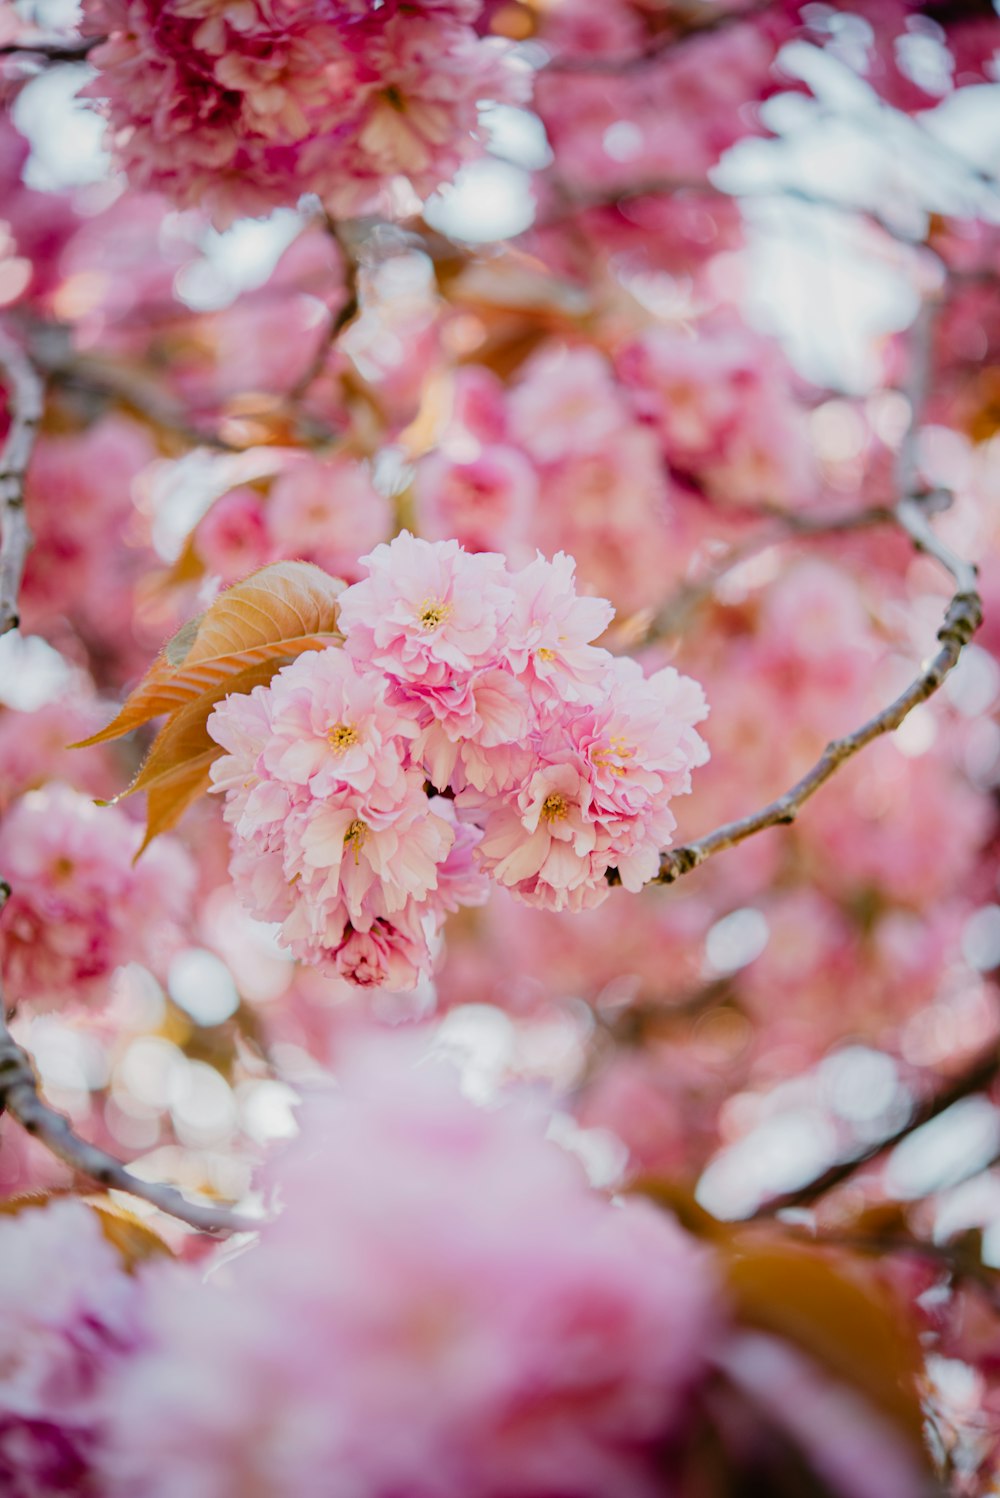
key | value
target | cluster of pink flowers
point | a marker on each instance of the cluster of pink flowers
(80, 907)
(443, 1307)
(88, 543)
(34, 748)
(560, 461)
(241, 106)
(318, 510)
(440, 1306)
(724, 406)
(69, 1314)
(671, 114)
(554, 761)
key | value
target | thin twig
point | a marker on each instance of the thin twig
(141, 396)
(961, 1265)
(963, 617)
(675, 613)
(338, 322)
(20, 1097)
(53, 48)
(916, 389)
(26, 401)
(659, 46)
(981, 1072)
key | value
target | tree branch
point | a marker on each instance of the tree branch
(962, 618)
(53, 48)
(347, 243)
(979, 1075)
(20, 1097)
(659, 46)
(26, 400)
(675, 613)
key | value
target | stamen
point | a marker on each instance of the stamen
(554, 807)
(432, 613)
(341, 736)
(618, 749)
(355, 836)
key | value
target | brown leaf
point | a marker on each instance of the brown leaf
(678, 1198)
(127, 1234)
(170, 797)
(248, 633)
(836, 1309)
(175, 771)
(281, 610)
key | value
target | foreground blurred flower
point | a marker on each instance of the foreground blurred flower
(443, 1307)
(68, 1314)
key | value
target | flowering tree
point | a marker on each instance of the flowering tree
(557, 443)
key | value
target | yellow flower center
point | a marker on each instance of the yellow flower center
(611, 757)
(341, 736)
(554, 807)
(545, 654)
(432, 613)
(355, 836)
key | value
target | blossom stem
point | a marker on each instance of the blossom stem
(347, 242)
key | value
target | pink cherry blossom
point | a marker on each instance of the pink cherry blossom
(724, 406)
(233, 538)
(565, 404)
(331, 729)
(69, 1314)
(443, 1307)
(593, 791)
(80, 907)
(552, 631)
(327, 512)
(458, 675)
(241, 107)
(427, 610)
(485, 502)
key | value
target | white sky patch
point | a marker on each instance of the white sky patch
(239, 259)
(65, 133)
(961, 1141)
(32, 672)
(488, 201)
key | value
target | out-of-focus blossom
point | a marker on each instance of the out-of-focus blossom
(723, 405)
(69, 1315)
(89, 546)
(242, 107)
(80, 907)
(443, 1306)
